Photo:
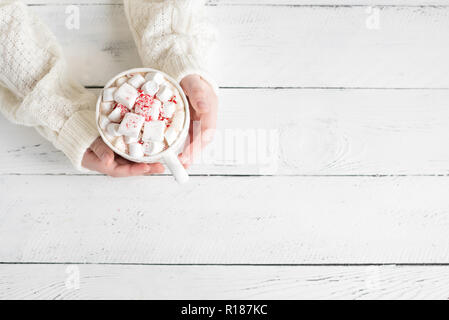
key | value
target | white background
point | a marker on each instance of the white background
(358, 207)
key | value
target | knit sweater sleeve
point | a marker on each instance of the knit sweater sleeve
(172, 35)
(36, 88)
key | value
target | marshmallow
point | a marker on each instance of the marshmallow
(156, 77)
(136, 150)
(108, 94)
(137, 81)
(154, 131)
(155, 111)
(153, 147)
(126, 95)
(130, 140)
(178, 121)
(131, 125)
(171, 135)
(150, 88)
(118, 113)
(112, 129)
(103, 122)
(106, 107)
(121, 81)
(120, 145)
(143, 106)
(164, 94)
(169, 110)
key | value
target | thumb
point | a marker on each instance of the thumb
(196, 90)
(102, 151)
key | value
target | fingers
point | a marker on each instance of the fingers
(91, 162)
(125, 168)
(121, 160)
(118, 167)
(102, 151)
(204, 109)
(198, 141)
(199, 92)
(156, 168)
(202, 132)
(134, 169)
(192, 150)
(129, 170)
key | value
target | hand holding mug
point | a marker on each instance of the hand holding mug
(104, 158)
(100, 158)
(203, 116)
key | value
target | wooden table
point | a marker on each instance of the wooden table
(356, 204)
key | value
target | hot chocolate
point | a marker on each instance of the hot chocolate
(142, 114)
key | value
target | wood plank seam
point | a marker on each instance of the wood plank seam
(209, 4)
(367, 264)
(98, 87)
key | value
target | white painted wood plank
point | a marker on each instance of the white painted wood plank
(289, 46)
(270, 220)
(328, 2)
(320, 132)
(219, 282)
(268, 2)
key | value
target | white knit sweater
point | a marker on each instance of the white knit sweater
(36, 88)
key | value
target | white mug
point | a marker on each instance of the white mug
(170, 155)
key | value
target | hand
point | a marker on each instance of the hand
(99, 157)
(203, 109)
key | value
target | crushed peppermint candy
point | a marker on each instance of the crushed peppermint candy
(130, 121)
(143, 106)
(173, 100)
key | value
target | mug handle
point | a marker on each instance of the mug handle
(177, 169)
